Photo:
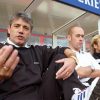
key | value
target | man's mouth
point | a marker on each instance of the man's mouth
(20, 37)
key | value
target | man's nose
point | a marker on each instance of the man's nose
(21, 30)
(81, 37)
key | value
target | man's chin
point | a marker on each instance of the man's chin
(20, 43)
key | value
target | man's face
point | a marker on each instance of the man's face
(19, 31)
(76, 38)
(97, 46)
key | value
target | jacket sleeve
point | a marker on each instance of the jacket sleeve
(48, 53)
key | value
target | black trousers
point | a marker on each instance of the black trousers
(53, 89)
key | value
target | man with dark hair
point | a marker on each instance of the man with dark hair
(22, 65)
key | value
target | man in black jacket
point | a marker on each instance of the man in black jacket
(22, 65)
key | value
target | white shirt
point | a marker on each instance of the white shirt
(86, 59)
(98, 60)
(10, 42)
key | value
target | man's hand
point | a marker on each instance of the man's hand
(8, 61)
(67, 69)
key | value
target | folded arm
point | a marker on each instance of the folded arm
(84, 72)
(95, 73)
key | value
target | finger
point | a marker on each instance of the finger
(11, 59)
(67, 76)
(3, 72)
(5, 54)
(64, 67)
(5, 48)
(70, 72)
(2, 49)
(12, 68)
(5, 68)
(6, 73)
(62, 71)
(60, 61)
(63, 74)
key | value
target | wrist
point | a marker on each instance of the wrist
(68, 52)
(75, 59)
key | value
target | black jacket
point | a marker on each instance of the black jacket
(26, 79)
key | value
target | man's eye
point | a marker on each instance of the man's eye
(83, 36)
(16, 26)
(78, 35)
(26, 28)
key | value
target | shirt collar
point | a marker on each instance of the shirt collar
(10, 42)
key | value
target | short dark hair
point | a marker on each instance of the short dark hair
(71, 28)
(23, 16)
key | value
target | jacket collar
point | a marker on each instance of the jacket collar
(10, 42)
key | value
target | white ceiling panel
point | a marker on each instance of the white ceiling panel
(8, 7)
(48, 15)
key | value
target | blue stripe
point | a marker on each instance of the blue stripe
(91, 6)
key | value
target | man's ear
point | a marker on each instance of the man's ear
(8, 29)
(68, 37)
(95, 46)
